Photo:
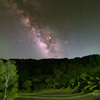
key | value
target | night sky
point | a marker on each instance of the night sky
(40, 29)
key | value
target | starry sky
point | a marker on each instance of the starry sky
(41, 29)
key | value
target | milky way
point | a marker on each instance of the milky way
(42, 36)
(49, 28)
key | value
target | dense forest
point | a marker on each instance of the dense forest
(35, 75)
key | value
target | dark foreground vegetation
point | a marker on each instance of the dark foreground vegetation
(80, 74)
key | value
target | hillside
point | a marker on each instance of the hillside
(59, 73)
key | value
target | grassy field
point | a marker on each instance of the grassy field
(56, 94)
(61, 94)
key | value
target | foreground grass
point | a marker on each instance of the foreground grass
(68, 90)
(52, 97)
(44, 94)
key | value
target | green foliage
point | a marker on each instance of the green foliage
(8, 77)
(11, 72)
(89, 82)
(2, 73)
(92, 87)
(96, 91)
(24, 75)
(27, 85)
(38, 72)
(83, 74)
(97, 78)
(92, 61)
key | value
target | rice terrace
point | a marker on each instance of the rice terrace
(58, 96)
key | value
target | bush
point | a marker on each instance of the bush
(27, 85)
